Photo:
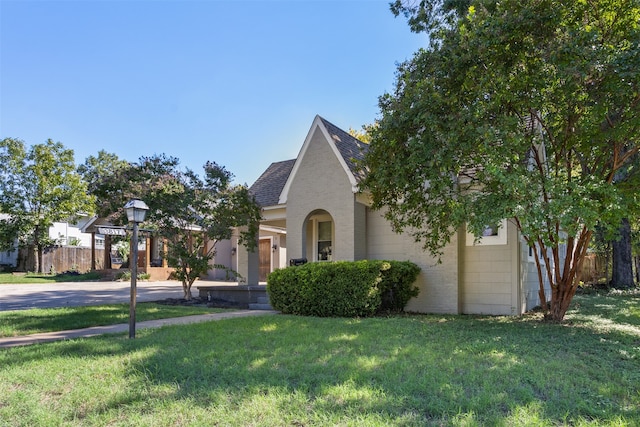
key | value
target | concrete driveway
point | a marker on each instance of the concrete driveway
(20, 297)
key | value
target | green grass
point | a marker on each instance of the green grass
(12, 279)
(301, 371)
(33, 321)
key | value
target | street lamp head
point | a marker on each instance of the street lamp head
(136, 210)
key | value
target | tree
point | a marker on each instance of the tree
(635, 248)
(102, 173)
(198, 213)
(517, 109)
(114, 181)
(622, 268)
(39, 186)
(191, 212)
(363, 135)
(99, 170)
(622, 254)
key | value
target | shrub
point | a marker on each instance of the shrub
(342, 288)
(126, 275)
(397, 285)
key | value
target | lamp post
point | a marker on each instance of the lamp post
(136, 211)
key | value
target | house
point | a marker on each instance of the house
(150, 246)
(63, 234)
(312, 209)
(72, 234)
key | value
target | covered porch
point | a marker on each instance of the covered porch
(150, 249)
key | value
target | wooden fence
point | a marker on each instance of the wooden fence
(70, 258)
(593, 268)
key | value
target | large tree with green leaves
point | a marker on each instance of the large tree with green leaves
(38, 186)
(192, 212)
(517, 109)
(197, 213)
(98, 170)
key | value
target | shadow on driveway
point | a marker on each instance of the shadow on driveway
(73, 294)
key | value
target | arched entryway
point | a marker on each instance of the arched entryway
(319, 236)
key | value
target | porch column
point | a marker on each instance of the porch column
(107, 252)
(164, 251)
(248, 264)
(147, 250)
(93, 250)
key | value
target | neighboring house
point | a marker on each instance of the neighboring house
(64, 234)
(312, 209)
(72, 234)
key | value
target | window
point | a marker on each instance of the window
(324, 240)
(490, 230)
(493, 234)
(532, 251)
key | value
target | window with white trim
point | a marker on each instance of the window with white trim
(324, 245)
(493, 234)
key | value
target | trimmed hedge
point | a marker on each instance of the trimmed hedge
(343, 288)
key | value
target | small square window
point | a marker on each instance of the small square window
(490, 230)
(492, 234)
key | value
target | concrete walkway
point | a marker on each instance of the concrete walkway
(124, 327)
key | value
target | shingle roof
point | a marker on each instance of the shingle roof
(351, 149)
(269, 185)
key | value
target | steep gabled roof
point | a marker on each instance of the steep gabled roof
(271, 188)
(345, 147)
(351, 149)
(269, 185)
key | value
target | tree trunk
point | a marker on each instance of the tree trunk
(186, 287)
(566, 279)
(39, 254)
(622, 271)
(637, 261)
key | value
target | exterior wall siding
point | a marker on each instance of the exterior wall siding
(360, 231)
(490, 280)
(320, 184)
(438, 283)
(529, 278)
(479, 279)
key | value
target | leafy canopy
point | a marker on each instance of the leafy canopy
(193, 213)
(38, 186)
(517, 109)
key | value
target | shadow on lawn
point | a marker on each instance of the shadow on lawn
(431, 367)
(66, 318)
(419, 369)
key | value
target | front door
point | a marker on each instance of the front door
(264, 254)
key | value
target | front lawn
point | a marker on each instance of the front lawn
(37, 320)
(301, 371)
(9, 278)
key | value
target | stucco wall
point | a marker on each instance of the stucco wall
(223, 256)
(438, 283)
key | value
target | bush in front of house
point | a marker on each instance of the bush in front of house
(397, 285)
(342, 288)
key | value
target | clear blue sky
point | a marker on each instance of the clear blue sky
(235, 82)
